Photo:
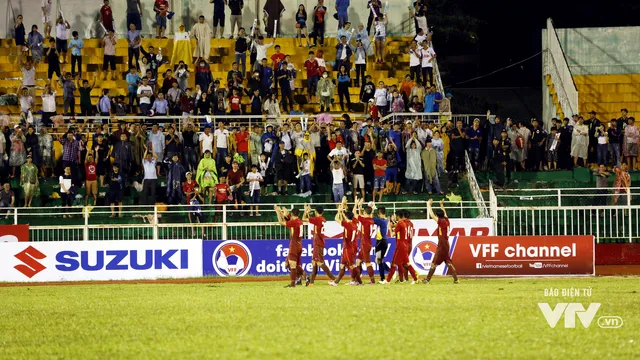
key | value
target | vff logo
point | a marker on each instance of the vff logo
(571, 310)
(30, 265)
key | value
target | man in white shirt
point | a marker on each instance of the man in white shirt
(221, 137)
(381, 98)
(261, 51)
(46, 17)
(338, 172)
(427, 63)
(415, 57)
(339, 153)
(254, 178)
(206, 140)
(420, 37)
(144, 94)
(285, 137)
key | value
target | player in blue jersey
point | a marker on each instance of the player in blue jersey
(382, 244)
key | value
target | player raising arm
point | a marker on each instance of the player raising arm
(294, 224)
(363, 215)
(318, 241)
(345, 218)
(442, 253)
(403, 229)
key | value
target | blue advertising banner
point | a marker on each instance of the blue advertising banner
(268, 257)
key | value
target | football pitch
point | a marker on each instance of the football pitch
(479, 318)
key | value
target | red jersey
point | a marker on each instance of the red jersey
(356, 223)
(90, 171)
(234, 177)
(349, 237)
(188, 187)
(162, 5)
(404, 234)
(318, 228)
(277, 59)
(222, 193)
(367, 231)
(312, 68)
(295, 241)
(242, 139)
(234, 103)
(379, 162)
(374, 112)
(443, 231)
(107, 15)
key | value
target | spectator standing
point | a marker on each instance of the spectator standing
(375, 11)
(458, 137)
(106, 16)
(161, 8)
(69, 89)
(580, 142)
(221, 142)
(242, 139)
(431, 164)
(343, 53)
(613, 138)
(631, 136)
(474, 138)
(206, 140)
(134, 40)
(311, 65)
(319, 13)
(144, 94)
(157, 140)
(254, 178)
(91, 179)
(20, 35)
(236, 17)
(380, 37)
(325, 92)
(7, 198)
(552, 146)
(175, 175)
(202, 32)
(134, 11)
(602, 183)
(35, 41)
(538, 138)
(301, 25)
(116, 190)
(593, 123)
(123, 156)
(53, 60)
(45, 143)
(358, 169)
(379, 172)
(413, 173)
(338, 173)
(218, 17)
(17, 153)
(241, 44)
(67, 191)
(360, 63)
(29, 180)
(235, 177)
(428, 54)
(70, 152)
(133, 78)
(283, 78)
(76, 44)
(342, 6)
(415, 60)
(109, 61)
(61, 38)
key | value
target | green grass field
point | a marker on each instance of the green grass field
(488, 319)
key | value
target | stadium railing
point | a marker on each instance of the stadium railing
(164, 222)
(475, 188)
(578, 211)
(555, 64)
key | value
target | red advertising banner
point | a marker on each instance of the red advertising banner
(524, 255)
(14, 233)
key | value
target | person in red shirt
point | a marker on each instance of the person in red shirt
(161, 8)
(276, 59)
(189, 186)
(313, 75)
(345, 218)
(222, 191)
(106, 16)
(294, 224)
(373, 110)
(442, 253)
(379, 176)
(235, 177)
(91, 177)
(318, 242)
(242, 141)
(234, 103)
(404, 231)
(363, 215)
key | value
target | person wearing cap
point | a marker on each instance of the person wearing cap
(593, 123)
(28, 180)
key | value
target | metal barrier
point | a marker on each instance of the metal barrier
(434, 117)
(475, 188)
(555, 64)
(565, 196)
(165, 222)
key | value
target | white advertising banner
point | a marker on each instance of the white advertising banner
(100, 260)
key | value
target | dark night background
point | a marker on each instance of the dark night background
(474, 38)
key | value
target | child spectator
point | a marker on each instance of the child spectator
(266, 170)
(601, 150)
(254, 178)
(106, 16)
(305, 175)
(91, 177)
(116, 190)
(66, 191)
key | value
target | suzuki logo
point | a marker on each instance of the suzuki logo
(31, 266)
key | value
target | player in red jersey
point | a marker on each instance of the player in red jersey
(403, 229)
(318, 242)
(345, 218)
(295, 243)
(363, 215)
(442, 253)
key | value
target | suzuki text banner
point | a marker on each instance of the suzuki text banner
(524, 255)
(100, 260)
(14, 233)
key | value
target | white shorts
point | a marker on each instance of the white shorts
(358, 181)
(46, 19)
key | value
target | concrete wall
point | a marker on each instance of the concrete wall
(593, 51)
(83, 14)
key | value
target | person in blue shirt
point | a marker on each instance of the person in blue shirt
(429, 100)
(343, 87)
(160, 107)
(342, 6)
(133, 78)
(344, 31)
(134, 40)
(382, 244)
(76, 44)
(437, 98)
(266, 77)
(474, 137)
